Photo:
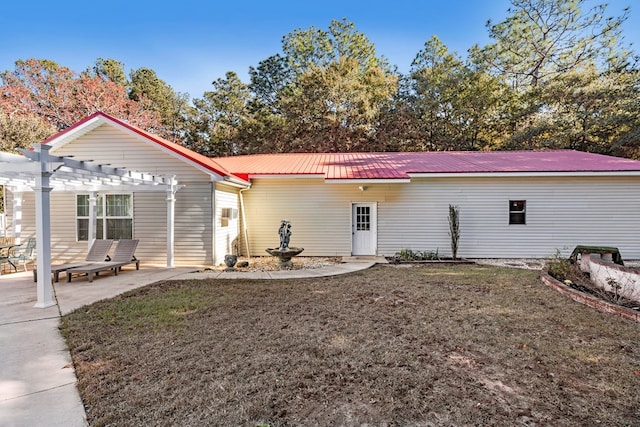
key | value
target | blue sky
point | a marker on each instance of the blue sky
(190, 43)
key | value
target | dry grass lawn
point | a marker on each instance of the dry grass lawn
(417, 346)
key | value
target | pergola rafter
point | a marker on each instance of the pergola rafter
(38, 171)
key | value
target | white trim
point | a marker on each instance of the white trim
(373, 227)
(93, 215)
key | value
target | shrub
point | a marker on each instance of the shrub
(454, 229)
(410, 255)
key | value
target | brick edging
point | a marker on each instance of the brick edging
(589, 300)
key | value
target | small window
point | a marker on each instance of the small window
(226, 215)
(517, 211)
(229, 213)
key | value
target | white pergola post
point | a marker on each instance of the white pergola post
(39, 171)
(171, 207)
(17, 216)
(43, 230)
(92, 219)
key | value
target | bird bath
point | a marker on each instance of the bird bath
(284, 253)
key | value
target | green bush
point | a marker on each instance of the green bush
(559, 268)
(410, 255)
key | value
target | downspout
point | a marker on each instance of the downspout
(244, 222)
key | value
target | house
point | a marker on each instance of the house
(204, 191)
(518, 204)
(512, 204)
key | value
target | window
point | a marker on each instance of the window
(517, 211)
(229, 213)
(226, 215)
(363, 218)
(114, 216)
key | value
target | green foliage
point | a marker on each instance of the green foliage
(560, 268)
(220, 117)
(171, 107)
(109, 69)
(542, 39)
(454, 229)
(411, 255)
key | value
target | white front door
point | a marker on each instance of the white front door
(364, 228)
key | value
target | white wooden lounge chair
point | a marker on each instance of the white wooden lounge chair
(99, 252)
(123, 255)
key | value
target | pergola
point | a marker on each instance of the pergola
(37, 170)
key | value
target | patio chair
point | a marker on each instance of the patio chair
(7, 244)
(23, 254)
(123, 255)
(4, 260)
(99, 252)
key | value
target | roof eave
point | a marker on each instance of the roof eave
(522, 174)
(367, 181)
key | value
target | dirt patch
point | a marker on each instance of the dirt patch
(421, 346)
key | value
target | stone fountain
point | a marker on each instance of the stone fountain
(284, 253)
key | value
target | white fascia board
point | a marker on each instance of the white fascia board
(368, 181)
(78, 131)
(233, 182)
(524, 174)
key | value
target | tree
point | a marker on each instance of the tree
(268, 81)
(454, 104)
(339, 88)
(542, 39)
(62, 97)
(22, 130)
(171, 107)
(109, 69)
(219, 116)
(573, 79)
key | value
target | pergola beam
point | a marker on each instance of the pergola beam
(42, 173)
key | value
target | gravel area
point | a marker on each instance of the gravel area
(271, 264)
(268, 263)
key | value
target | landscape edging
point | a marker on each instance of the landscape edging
(589, 300)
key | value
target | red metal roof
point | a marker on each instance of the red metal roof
(389, 166)
(384, 166)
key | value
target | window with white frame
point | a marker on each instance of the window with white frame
(226, 215)
(114, 216)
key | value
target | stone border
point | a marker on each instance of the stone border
(589, 300)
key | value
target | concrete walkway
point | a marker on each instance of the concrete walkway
(37, 379)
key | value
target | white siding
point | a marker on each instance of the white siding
(320, 214)
(109, 145)
(561, 213)
(227, 235)
(193, 208)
